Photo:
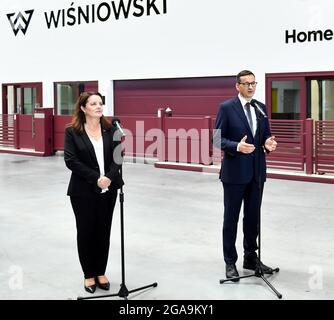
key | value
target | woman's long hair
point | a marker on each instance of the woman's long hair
(79, 118)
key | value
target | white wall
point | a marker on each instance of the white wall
(194, 38)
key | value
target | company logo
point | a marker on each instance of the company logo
(89, 13)
(20, 21)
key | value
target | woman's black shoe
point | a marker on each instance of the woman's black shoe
(91, 289)
(103, 286)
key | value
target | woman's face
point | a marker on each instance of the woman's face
(93, 107)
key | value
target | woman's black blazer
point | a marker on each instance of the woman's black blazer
(80, 158)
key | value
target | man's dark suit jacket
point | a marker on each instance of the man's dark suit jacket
(236, 167)
(80, 158)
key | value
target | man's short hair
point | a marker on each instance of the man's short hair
(244, 73)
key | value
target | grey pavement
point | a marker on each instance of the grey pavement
(173, 223)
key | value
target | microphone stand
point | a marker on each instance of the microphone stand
(123, 291)
(258, 269)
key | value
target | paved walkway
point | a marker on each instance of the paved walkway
(172, 235)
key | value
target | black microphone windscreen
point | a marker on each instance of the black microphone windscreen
(253, 102)
(115, 119)
(256, 105)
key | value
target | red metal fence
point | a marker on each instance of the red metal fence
(290, 152)
(324, 147)
(7, 131)
(303, 145)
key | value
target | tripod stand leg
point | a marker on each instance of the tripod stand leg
(279, 295)
(155, 284)
(97, 297)
(234, 279)
(258, 274)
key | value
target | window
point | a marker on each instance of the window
(285, 99)
(29, 100)
(66, 94)
(321, 99)
(22, 98)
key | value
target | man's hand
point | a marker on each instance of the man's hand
(245, 147)
(270, 144)
(103, 182)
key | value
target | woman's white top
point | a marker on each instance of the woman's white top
(98, 148)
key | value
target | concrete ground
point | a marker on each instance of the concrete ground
(173, 223)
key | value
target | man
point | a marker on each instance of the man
(242, 131)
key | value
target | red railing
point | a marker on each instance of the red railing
(290, 152)
(7, 138)
(324, 146)
(188, 140)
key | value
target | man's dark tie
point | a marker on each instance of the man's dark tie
(249, 116)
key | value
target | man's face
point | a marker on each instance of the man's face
(247, 86)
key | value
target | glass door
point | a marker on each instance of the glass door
(26, 99)
(320, 99)
(21, 98)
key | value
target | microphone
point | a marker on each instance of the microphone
(256, 105)
(117, 123)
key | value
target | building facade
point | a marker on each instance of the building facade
(144, 55)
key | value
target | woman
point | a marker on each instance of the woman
(94, 156)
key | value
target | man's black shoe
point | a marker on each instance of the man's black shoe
(256, 264)
(232, 272)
